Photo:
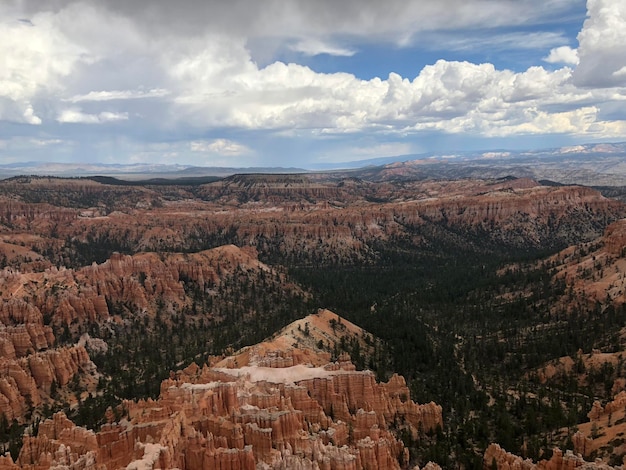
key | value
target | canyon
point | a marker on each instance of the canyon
(109, 290)
(291, 219)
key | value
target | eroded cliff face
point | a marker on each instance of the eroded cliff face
(260, 413)
(496, 457)
(292, 218)
(29, 361)
(138, 282)
(596, 442)
(594, 273)
(145, 284)
(326, 229)
(602, 435)
(26, 383)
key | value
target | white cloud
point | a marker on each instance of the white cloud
(602, 45)
(29, 115)
(387, 149)
(620, 73)
(107, 116)
(468, 40)
(160, 63)
(313, 47)
(562, 55)
(33, 59)
(46, 142)
(215, 152)
(219, 146)
(20, 111)
(119, 95)
(76, 116)
(457, 97)
(43, 57)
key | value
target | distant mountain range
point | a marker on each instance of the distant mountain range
(589, 164)
(133, 171)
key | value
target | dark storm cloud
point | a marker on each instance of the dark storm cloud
(394, 19)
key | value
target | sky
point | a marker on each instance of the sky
(296, 83)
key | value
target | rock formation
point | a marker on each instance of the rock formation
(594, 272)
(276, 416)
(67, 296)
(281, 404)
(496, 457)
(299, 216)
(25, 381)
(29, 362)
(602, 434)
(70, 300)
(601, 437)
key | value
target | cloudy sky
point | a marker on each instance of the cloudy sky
(299, 82)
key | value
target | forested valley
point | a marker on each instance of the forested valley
(470, 315)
